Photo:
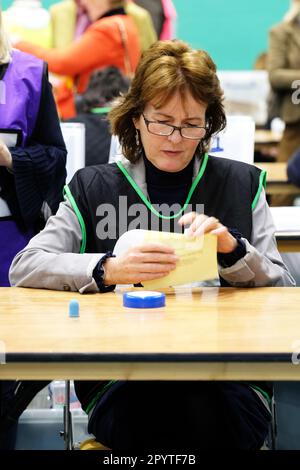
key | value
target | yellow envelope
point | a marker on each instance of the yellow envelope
(198, 256)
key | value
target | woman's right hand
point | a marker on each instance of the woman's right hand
(141, 263)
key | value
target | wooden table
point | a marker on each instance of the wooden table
(266, 136)
(288, 242)
(205, 334)
(287, 223)
(277, 181)
(267, 142)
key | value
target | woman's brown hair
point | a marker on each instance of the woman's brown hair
(164, 69)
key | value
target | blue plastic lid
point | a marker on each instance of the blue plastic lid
(144, 299)
(74, 308)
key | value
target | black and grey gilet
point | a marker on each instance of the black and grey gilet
(228, 189)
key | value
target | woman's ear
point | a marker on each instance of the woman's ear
(136, 123)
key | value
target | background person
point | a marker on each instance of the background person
(293, 168)
(104, 86)
(163, 16)
(69, 21)
(111, 39)
(283, 61)
(32, 151)
(32, 165)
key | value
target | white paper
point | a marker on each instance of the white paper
(236, 141)
(74, 137)
(286, 219)
(9, 138)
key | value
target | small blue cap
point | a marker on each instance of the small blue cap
(74, 308)
(144, 299)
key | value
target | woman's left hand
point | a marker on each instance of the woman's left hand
(200, 224)
(5, 156)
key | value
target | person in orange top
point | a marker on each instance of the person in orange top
(112, 39)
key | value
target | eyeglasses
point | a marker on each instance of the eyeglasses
(188, 132)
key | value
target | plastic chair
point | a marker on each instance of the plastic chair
(92, 444)
(67, 433)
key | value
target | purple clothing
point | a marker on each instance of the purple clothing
(38, 161)
(18, 111)
(12, 240)
(22, 80)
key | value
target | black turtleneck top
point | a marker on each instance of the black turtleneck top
(168, 188)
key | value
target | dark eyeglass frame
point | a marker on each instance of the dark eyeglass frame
(174, 128)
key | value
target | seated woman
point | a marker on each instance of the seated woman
(164, 124)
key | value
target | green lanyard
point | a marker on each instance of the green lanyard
(148, 203)
(103, 110)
